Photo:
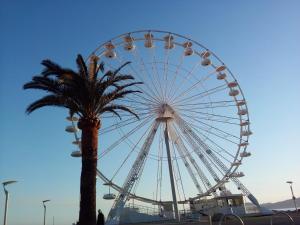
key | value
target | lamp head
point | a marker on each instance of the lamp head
(48, 200)
(289, 182)
(9, 182)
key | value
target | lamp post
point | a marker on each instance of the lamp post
(45, 209)
(293, 196)
(6, 198)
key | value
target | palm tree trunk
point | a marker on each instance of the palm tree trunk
(89, 148)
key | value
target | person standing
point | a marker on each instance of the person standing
(100, 219)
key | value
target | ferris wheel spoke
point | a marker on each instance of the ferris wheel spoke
(209, 163)
(208, 151)
(215, 144)
(219, 116)
(141, 101)
(205, 93)
(166, 69)
(183, 127)
(121, 124)
(217, 103)
(185, 79)
(175, 75)
(194, 86)
(139, 88)
(147, 99)
(208, 118)
(156, 78)
(116, 143)
(232, 157)
(216, 135)
(194, 109)
(218, 146)
(153, 96)
(217, 129)
(129, 154)
(199, 152)
(192, 137)
(146, 74)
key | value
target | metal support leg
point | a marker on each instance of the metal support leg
(5, 209)
(171, 173)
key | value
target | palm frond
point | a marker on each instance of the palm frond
(100, 68)
(107, 109)
(81, 66)
(51, 100)
(119, 107)
(115, 72)
(50, 67)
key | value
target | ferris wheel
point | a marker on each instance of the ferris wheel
(193, 130)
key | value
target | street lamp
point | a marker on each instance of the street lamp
(293, 196)
(45, 209)
(6, 198)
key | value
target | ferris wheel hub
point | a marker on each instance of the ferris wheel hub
(164, 112)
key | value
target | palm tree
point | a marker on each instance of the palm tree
(85, 94)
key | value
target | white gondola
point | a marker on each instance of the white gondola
(148, 36)
(220, 68)
(109, 46)
(187, 44)
(245, 154)
(234, 92)
(237, 163)
(129, 47)
(128, 39)
(237, 174)
(77, 142)
(109, 183)
(242, 112)
(240, 174)
(76, 154)
(110, 54)
(241, 103)
(149, 40)
(246, 133)
(243, 144)
(205, 54)
(205, 62)
(245, 123)
(221, 76)
(169, 44)
(72, 119)
(71, 129)
(149, 44)
(109, 196)
(188, 51)
(232, 84)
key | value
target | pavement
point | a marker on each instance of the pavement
(278, 219)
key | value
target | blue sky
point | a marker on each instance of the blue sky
(258, 40)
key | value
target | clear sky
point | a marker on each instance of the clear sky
(258, 40)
